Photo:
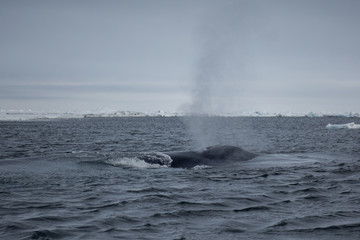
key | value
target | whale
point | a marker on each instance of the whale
(218, 155)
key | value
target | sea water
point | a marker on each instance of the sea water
(84, 179)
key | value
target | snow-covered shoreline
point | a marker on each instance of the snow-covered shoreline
(13, 115)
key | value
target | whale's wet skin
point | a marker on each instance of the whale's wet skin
(211, 156)
(137, 178)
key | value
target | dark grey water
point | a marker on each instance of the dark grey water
(81, 179)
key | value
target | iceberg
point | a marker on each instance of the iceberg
(351, 125)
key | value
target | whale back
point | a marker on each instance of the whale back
(186, 159)
(226, 152)
(214, 155)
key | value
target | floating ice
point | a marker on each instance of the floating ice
(351, 125)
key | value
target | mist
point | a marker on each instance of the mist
(222, 71)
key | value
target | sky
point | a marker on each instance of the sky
(212, 56)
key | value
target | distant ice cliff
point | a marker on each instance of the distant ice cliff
(108, 113)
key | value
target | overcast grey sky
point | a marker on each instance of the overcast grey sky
(201, 55)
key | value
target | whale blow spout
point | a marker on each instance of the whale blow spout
(212, 156)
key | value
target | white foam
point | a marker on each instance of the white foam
(132, 162)
(351, 125)
(197, 167)
(156, 158)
